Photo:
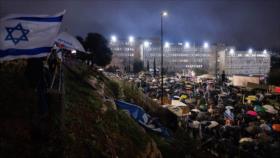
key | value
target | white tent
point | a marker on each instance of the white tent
(69, 42)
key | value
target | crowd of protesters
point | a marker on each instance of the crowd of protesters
(228, 121)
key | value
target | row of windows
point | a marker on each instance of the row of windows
(124, 55)
(194, 66)
(123, 49)
(177, 55)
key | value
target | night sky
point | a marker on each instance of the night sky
(241, 23)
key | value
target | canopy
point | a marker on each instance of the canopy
(251, 97)
(69, 42)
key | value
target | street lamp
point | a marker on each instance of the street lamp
(162, 14)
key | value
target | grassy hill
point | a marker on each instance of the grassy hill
(87, 124)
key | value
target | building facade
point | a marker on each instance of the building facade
(244, 62)
(124, 54)
(179, 57)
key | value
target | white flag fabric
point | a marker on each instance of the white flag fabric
(69, 42)
(28, 36)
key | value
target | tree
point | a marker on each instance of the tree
(81, 40)
(97, 45)
(137, 66)
(148, 66)
(273, 76)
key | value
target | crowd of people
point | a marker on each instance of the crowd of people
(227, 120)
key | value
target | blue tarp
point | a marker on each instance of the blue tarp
(144, 119)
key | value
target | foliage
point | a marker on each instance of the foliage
(97, 45)
(115, 88)
(148, 66)
(112, 68)
(138, 66)
(91, 131)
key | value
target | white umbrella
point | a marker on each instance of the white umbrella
(270, 109)
(195, 110)
(246, 139)
(229, 107)
(69, 42)
(213, 124)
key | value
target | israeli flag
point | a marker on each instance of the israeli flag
(28, 36)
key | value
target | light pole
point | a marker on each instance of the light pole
(162, 14)
(131, 41)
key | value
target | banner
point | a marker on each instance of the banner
(138, 114)
(28, 36)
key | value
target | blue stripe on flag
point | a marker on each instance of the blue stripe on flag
(40, 19)
(18, 52)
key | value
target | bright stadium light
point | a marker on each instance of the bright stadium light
(265, 52)
(114, 38)
(250, 51)
(187, 44)
(130, 39)
(231, 51)
(146, 44)
(205, 45)
(166, 45)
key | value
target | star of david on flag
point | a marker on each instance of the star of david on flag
(22, 37)
(28, 36)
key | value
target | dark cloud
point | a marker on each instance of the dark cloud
(244, 23)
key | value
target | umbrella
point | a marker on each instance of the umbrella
(195, 110)
(270, 109)
(276, 127)
(213, 124)
(265, 127)
(251, 98)
(252, 113)
(229, 107)
(183, 97)
(176, 97)
(246, 140)
(259, 108)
